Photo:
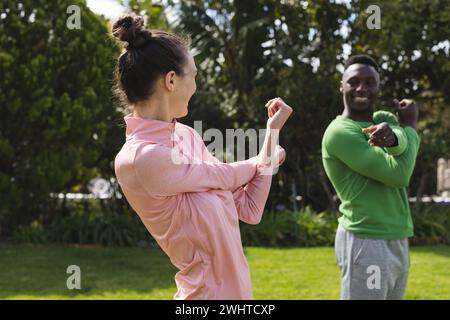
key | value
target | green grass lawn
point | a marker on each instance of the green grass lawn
(39, 272)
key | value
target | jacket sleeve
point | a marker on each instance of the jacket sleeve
(250, 199)
(163, 174)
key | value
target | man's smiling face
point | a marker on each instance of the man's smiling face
(360, 86)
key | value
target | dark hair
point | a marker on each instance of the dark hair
(362, 59)
(148, 55)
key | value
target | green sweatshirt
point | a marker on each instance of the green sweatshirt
(371, 181)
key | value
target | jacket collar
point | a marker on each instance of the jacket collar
(155, 131)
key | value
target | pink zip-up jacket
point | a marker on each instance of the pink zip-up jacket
(191, 203)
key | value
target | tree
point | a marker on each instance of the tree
(152, 11)
(56, 105)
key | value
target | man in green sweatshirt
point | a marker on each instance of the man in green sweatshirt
(369, 158)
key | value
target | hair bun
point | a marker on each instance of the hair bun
(131, 29)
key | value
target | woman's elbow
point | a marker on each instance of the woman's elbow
(252, 221)
(254, 217)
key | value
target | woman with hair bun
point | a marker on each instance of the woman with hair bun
(192, 207)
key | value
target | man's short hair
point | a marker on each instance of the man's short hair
(362, 59)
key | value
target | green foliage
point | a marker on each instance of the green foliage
(90, 223)
(274, 229)
(153, 11)
(316, 229)
(310, 229)
(86, 224)
(431, 225)
(33, 233)
(284, 228)
(56, 105)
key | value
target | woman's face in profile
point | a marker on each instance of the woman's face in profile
(185, 87)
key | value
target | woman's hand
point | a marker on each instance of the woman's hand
(271, 154)
(270, 165)
(278, 112)
(279, 155)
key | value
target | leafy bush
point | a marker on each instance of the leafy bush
(33, 233)
(316, 229)
(285, 228)
(274, 229)
(86, 225)
(431, 224)
(89, 223)
(308, 228)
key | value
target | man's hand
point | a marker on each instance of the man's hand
(407, 111)
(278, 112)
(381, 135)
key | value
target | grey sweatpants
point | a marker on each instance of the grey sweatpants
(371, 269)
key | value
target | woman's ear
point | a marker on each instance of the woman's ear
(169, 80)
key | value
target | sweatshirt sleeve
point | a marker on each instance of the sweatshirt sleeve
(163, 175)
(391, 119)
(402, 142)
(349, 144)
